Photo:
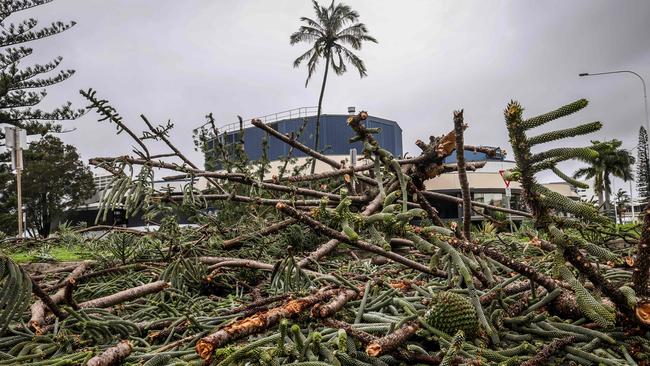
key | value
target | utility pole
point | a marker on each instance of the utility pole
(16, 140)
(19, 186)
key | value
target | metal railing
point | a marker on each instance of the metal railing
(270, 118)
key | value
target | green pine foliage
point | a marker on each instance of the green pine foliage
(451, 312)
(569, 132)
(15, 293)
(545, 204)
(19, 84)
(551, 116)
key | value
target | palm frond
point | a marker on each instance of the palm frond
(312, 23)
(339, 69)
(588, 173)
(311, 64)
(356, 30)
(303, 57)
(305, 34)
(355, 61)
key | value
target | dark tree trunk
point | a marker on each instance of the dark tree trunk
(462, 172)
(642, 262)
(320, 104)
(44, 229)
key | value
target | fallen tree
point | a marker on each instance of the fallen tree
(353, 265)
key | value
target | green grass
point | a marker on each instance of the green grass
(60, 254)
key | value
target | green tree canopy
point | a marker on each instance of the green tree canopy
(20, 84)
(54, 180)
(611, 161)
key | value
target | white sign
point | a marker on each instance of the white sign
(10, 138)
(16, 139)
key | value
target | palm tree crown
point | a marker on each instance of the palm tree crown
(334, 28)
(611, 161)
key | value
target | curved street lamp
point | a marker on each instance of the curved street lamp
(645, 103)
(645, 94)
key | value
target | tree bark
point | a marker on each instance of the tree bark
(367, 338)
(206, 346)
(459, 126)
(642, 262)
(599, 187)
(112, 356)
(320, 104)
(126, 295)
(391, 341)
(543, 356)
(38, 308)
(335, 305)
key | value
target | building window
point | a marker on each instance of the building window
(446, 209)
(492, 199)
(498, 200)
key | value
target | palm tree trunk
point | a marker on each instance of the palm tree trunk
(598, 186)
(609, 209)
(320, 103)
(620, 213)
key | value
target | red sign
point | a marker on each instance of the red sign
(507, 182)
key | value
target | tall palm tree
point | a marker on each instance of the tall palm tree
(612, 161)
(334, 28)
(621, 200)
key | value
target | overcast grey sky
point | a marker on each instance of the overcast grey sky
(180, 60)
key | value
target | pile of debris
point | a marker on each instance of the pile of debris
(348, 267)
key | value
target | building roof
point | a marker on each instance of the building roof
(477, 180)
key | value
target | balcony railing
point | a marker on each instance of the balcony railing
(270, 118)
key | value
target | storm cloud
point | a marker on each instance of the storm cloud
(181, 60)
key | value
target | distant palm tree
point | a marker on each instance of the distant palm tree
(335, 27)
(611, 161)
(621, 200)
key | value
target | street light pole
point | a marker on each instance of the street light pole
(645, 92)
(645, 99)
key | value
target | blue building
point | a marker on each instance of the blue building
(334, 134)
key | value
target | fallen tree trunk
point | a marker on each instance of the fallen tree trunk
(112, 356)
(338, 302)
(367, 338)
(38, 308)
(391, 341)
(126, 295)
(459, 127)
(642, 262)
(206, 346)
(47, 300)
(543, 356)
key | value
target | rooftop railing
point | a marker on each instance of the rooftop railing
(301, 112)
